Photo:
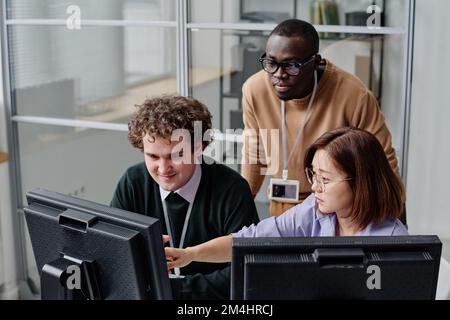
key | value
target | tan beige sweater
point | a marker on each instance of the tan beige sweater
(341, 100)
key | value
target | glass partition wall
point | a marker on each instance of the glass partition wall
(228, 37)
(74, 71)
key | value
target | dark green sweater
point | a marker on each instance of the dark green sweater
(223, 204)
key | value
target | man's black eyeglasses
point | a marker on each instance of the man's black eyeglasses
(290, 67)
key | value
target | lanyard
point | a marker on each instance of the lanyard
(299, 132)
(183, 232)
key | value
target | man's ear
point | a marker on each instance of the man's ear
(317, 61)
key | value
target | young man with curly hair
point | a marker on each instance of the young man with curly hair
(195, 199)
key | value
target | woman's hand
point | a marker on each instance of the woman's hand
(178, 258)
(217, 250)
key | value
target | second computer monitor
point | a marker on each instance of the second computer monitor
(395, 267)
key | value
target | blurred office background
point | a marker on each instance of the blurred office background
(69, 90)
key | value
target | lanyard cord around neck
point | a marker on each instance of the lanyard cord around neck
(183, 232)
(300, 130)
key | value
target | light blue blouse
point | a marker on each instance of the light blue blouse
(304, 220)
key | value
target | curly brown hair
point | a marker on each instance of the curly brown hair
(161, 116)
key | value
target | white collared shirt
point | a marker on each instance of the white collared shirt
(189, 190)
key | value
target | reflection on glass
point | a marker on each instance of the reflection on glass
(77, 161)
(358, 54)
(319, 12)
(150, 10)
(253, 11)
(231, 58)
(391, 87)
(96, 73)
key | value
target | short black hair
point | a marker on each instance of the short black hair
(298, 28)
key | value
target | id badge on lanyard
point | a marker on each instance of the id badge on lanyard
(285, 190)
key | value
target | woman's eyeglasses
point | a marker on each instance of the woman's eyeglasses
(320, 180)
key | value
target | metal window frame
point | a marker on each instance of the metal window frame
(14, 159)
(407, 86)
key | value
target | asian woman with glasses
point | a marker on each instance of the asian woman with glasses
(355, 193)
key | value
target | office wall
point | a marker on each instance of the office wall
(428, 177)
(58, 51)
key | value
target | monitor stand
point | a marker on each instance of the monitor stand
(69, 278)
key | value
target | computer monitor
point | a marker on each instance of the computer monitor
(85, 250)
(395, 267)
